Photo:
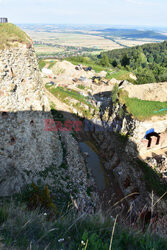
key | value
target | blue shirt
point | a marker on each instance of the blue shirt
(149, 132)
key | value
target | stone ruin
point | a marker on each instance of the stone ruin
(3, 20)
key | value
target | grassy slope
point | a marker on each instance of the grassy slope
(43, 63)
(10, 33)
(120, 74)
(34, 230)
(141, 109)
(62, 94)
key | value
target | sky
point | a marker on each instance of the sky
(110, 12)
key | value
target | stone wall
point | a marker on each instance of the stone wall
(25, 147)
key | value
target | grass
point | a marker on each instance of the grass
(80, 86)
(3, 215)
(141, 109)
(41, 64)
(62, 94)
(32, 230)
(120, 75)
(11, 35)
(51, 64)
(98, 68)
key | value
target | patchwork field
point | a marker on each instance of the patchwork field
(60, 42)
(73, 39)
(131, 43)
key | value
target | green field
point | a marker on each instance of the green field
(51, 64)
(141, 109)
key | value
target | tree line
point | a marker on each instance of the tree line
(148, 62)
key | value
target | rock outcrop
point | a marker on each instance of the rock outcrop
(119, 120)
(25, 145)
(29, 153)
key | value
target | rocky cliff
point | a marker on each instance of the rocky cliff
(25, 145)
(28, 153)
(116, 117)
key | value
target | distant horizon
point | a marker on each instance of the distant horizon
(90, 24)
(147, 13)
(116, 26)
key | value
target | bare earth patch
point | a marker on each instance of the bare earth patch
(149, 92)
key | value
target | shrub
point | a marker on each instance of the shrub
(114, 93)
(36, 196)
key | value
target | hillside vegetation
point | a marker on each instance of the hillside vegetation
(148, 62)
(23, 228)
(10, 35)
(102, 64)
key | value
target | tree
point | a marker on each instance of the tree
(105, 60)
(151, 59)
(125, 61)
(114, 93)
(145, 76)
(114, 63)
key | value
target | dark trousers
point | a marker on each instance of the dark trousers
(148, 137)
